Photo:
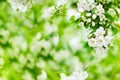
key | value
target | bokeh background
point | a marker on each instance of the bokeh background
(35, 42)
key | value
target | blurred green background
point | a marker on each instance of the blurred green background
(33, 42)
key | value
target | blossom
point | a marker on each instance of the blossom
(111, 12)
(94, 16)
(102, 17)
(108, 38)
(61, 55)
(86, 5)
(38, 36)
(42, 76)
(72, 12)
(100, 41)
(91, 1)
(47, 12)
(77, 75)
(75, 44)
(100, 31)
(99, 10)
(92, 42)
(60, 2)
(88, 20)
(88, 14)
(55, 40)
(19, 5)
(93, 23)
(50, 28)
(81, 24)
(100, 51)
(19, 41)
(27, 76)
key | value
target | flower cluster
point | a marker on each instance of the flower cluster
(94, 13)
(86, 5)
(100, 41)
(36, 46)
(20, 5)
(75, 76)
(94, 17)
(42, 76)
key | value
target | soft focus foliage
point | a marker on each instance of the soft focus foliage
(47, 41)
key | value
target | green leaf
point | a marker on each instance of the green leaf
(115, 30)
(117, 14)
(109, 17)
(72, 19)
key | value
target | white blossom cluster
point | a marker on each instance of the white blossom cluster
(90, 17)
(42, 76)
(93, 18)
(86, 5)
(20, 5)
(75, 76)
(60, 2)
(100, 42)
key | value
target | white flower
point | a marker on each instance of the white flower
(102, 17)
(61, 55)
(40, 63)
(63, 76)
(55, 40)
(19, 5)
(42, 76)
(93, 23)
(75, 44)
(75, 61)
(75, 76)
(81, 75)
(111, 12)
(38, 36)
(85, 5)
(100, 31)
(45, 44)
(108, 39)
(100, 51)
(19, 42)
(60, 2)
(50, 29)
(22, 59)
(88, 20)
(47, 12)
(100, 41)
(27, 76)
(90, 6)
(94, 16)
(99, 10)
(81, 24)
(88, 14)
(92, 42)
(91, 1)
(81, 5)
(72, 12)
(5, 35)
(35, 46)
